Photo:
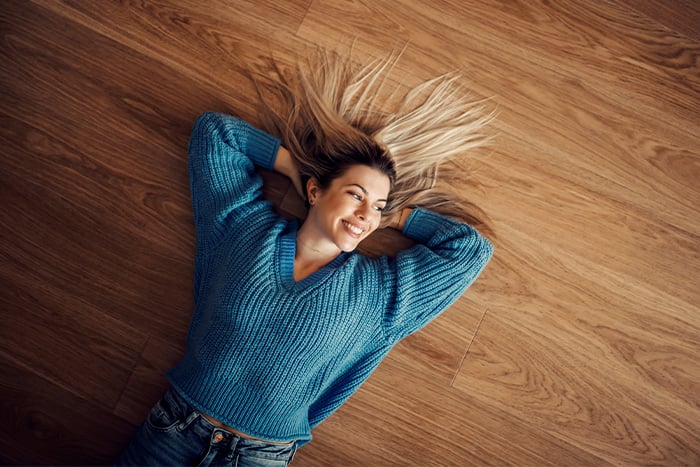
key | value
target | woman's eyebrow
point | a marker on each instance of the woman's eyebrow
(363, 190)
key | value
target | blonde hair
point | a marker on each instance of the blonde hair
(327, 109)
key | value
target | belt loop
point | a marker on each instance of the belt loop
(291, 458)
(188, 421)
(232, 448)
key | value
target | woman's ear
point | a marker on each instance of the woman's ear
(313, 190)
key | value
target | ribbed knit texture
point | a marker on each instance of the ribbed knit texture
(273, 357)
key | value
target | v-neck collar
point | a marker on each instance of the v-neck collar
(287, 251)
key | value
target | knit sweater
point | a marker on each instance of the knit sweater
(273, 357)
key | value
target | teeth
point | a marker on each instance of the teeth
(353, 229)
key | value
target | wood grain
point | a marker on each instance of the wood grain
(599, 343)
(621, 424)
(458, 430)
(147, 382)
(577, 346)
(682, 17)
(45, 424)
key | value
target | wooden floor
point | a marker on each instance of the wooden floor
(577, 346)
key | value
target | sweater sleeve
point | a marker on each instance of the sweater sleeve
(426, 279)
(222, 153)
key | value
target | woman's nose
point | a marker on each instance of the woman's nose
(361, 213)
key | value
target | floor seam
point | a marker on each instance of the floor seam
(469, 346)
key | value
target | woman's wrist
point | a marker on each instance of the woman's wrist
(403, 217)
(284, 164)
(282, 161)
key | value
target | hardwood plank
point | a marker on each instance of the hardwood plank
(209, 45)
(592, 40)
(438, 349)
(147, 382)
(626, 418)
(401, 417)
(120, 257)
(681, 16)
(570, 214)
(131, 196)
(72, 343)
(37, 278)
(44, 424)
(549, 356)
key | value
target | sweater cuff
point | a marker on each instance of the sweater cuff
(262, 148)
(422, 224)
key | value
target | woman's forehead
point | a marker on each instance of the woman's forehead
(368, 179)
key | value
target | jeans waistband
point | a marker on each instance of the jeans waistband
(195, 415)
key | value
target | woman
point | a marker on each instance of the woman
(289, 320)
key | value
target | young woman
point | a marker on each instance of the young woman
(289, 319)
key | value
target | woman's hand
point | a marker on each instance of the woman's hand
(284, 164)
(400, 219)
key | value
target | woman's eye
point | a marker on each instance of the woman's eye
(356, 196)
(379, 208)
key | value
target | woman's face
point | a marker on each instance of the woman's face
(351, 207)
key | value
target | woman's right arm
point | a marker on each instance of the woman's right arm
(222, 152)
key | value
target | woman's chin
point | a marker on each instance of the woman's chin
(348, 245)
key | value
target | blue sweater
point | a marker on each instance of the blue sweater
(273, 357)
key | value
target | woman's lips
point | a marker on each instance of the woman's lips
(353, 229)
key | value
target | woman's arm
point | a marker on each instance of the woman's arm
(425, 280)
(284, 164)
(222, 152)
(402, 218)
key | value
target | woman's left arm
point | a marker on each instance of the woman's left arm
(426, 279)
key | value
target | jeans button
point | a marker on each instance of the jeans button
(218, 437)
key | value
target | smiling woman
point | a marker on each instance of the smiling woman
(289, 319)
(341, 215)
(330, 114)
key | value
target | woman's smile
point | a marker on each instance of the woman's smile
(347, 211)
(353, 229)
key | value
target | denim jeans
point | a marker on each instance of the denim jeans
(176, 434)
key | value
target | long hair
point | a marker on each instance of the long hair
(330, 114)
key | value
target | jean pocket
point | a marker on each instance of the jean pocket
(164, 416)
(262, 454)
